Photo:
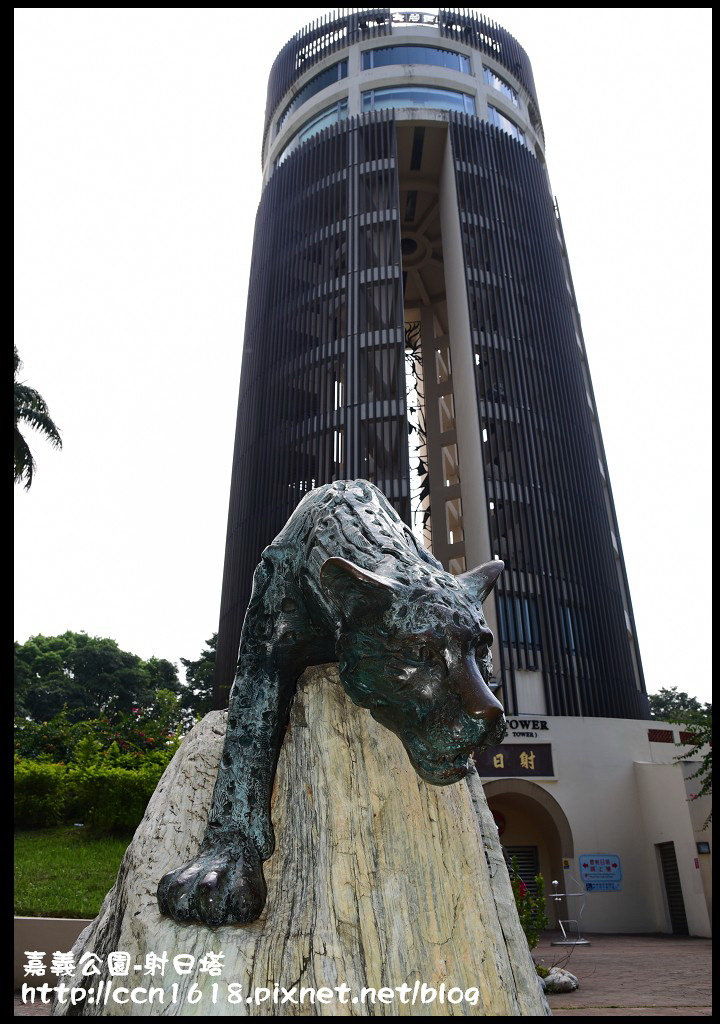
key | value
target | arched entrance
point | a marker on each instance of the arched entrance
(533, 824)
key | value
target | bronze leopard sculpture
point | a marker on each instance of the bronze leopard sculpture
(344, 581)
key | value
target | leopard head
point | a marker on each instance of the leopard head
(418, 657)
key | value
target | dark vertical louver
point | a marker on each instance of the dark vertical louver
(560, 603)
(322, 392)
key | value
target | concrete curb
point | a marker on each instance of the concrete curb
(43, 934)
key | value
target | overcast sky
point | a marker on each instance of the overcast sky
(138, 136)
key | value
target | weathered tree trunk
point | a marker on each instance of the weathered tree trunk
(378, 881)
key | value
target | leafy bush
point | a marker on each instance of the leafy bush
(110, 799)
(139, 732)
(40, 794)
(105, 797)
(531, 907)
(52, 741)
(87, 752)
(101, 772)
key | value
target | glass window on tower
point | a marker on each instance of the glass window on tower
(518, 621)
(423, 96)
(566, 628)
(327, 77)
(330, 115)
(501, 85)
(500, 121)
(384, 56)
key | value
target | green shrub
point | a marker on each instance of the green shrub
(40, 794)
(87, 752)
(50, 741)
(134, 734)
(105, 797)
(109, 769)
(111, 799)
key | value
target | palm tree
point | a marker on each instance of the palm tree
(30, 408)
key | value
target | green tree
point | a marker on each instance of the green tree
(30, 410)
(86, 675)
(165, 711)
(672, 705)
(162, 673)
(197, 696)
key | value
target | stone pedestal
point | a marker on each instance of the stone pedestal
(378, 881)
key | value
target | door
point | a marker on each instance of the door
(673, 889)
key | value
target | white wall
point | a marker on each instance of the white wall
(622, 795)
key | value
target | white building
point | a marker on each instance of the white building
(602, 806)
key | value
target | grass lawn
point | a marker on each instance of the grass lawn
(64, 872)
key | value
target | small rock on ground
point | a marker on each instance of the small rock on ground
(559, 980)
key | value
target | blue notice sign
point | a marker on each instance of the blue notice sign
(601, 872)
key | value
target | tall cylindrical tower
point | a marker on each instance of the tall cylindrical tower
(411, 320)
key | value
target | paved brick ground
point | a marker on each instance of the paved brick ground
(633, 976)
(620, 976)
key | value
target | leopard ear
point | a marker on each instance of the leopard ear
(481, 580)
(353, 591)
